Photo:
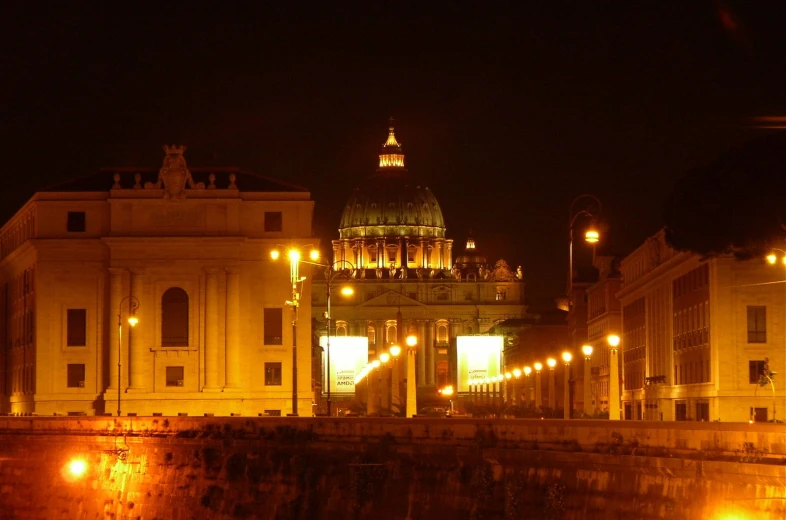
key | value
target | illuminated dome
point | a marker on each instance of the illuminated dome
(392, 202)
(470, 258)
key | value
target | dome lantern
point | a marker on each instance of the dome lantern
(392, 156)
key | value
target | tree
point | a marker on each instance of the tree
(734, 204)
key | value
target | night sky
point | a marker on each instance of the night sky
(506, 113)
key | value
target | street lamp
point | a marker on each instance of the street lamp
(567, 405)
(591, 236)
(330, 274)
(527, 372)
(133, 305)
(614, 378)
(294, 277)
(551, 362)
(538, 390)
(589, 406)
(412, 405)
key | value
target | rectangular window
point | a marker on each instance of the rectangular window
(76, 327)
(274, 221)
(468, 296)
(175, 376)
(274, 326)
(681, 411)
(272, 374)
(501, 294)
(755, 370)
(757, 324)
(411, 254)
(75, 376)
(703, 411)
(442, 296)
(372, 255)
(76, 222)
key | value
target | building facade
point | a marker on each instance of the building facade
(698, 334)
(186, 253)
(394, 248)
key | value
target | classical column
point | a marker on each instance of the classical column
(136, 341)
(423, 253)
(422, 353)
(211, 329)
(448, 254)
(405, 253)
(233, 329)
(361, 254)
(116, 279)
(382, 254)
(412, 395)
(431, 351)
(337, 245)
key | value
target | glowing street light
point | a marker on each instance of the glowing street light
(412, 404)
(614, 378)
(589, 406)
(133, 305)
(538, 390)
(566, 405)
(527, 372)
(551, 362)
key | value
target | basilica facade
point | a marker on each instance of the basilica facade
(183, 253)
(394, 252)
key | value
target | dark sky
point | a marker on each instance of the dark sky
(506, 112)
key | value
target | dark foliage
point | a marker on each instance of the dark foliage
(732, 205)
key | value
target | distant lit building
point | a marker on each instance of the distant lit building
(191, 245)
(393, 238)
(697, 335)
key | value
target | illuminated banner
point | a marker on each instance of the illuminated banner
(348, 355)
(478, 358)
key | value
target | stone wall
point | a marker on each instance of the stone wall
(282, 468)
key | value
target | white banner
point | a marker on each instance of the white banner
(348, 356)
(478, 358)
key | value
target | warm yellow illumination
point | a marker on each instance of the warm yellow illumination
(294, 255)
(508, 375)
(567, 356)
(517, 372)
(470, 243)
(586, 350)
(274, 254)
(133, 320)
(487, 380)
(77, 467)
(528, 371)
(314, 255)
(538, 367)
(551, 362)
(395, 350)
(384, 357)
(771, 258)
(412, 340)
(375, 363)
(613, 340)
(448, 390)
(591, 236)
(347, 291)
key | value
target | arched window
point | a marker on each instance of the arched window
(442, 333)
(174, 318)
(371, 335)
(391, 331)
(341, 328)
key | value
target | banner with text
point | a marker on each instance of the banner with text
(348, 356)
(478, 358)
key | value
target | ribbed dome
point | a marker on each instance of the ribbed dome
(392, 203)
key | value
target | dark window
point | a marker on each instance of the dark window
(411, 254)
(272, 374)
(468, 296)
(442, 296)
(76, 327)
(755, 370)
(274, 326)
(759, 414)
(703, 411)
(76, 376)
(681, 411)
(174, 318)
(76, 221)
(273, 221)
(757, 324)
(175, 376)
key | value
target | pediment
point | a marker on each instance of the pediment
(391, 299)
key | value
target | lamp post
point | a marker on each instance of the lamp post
(330, 274)
(538, 390)
(614, 378)
(412, 404)
(567, 405)
(772, 259)
(551, 362)
(133, 305)
(589, 406)
(294, 277)
(591, 236)
(527, 372)
(508, 389)
(516, 389)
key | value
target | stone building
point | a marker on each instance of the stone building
(698, 334)
(185, 251)
(394, 245)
